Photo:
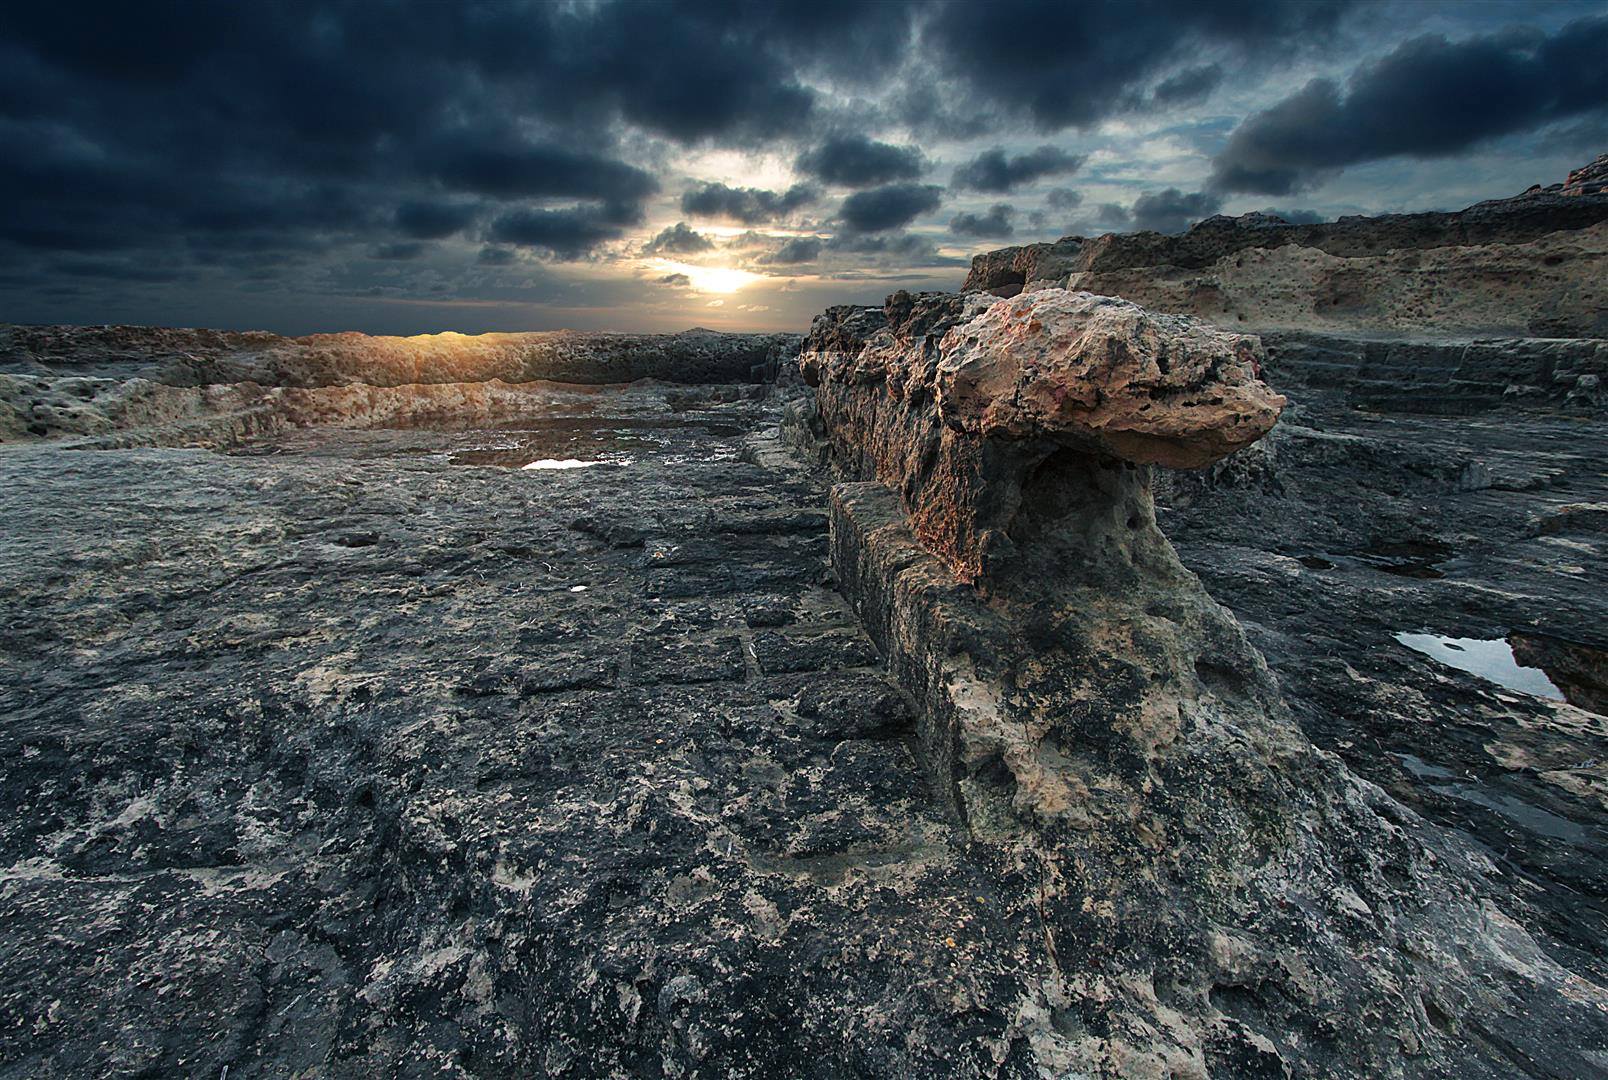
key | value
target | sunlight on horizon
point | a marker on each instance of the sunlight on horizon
(709, 279)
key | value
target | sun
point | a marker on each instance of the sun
(709, 279)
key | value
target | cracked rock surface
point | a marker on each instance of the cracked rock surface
(350, 753)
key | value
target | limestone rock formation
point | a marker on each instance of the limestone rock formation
(182, 357)
(1000, 392)
(100, 380)
(1591, 179)
(1215, 895)
(1535, 264)
(1104, 373)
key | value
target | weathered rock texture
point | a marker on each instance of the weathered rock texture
(996, 395)
(205, 357)
(102, 379)
(1214, 893)
(1589, 179)
(1449, 377)
(1533, 265)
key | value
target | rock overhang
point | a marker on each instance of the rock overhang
(964, 404)
(1101, 373)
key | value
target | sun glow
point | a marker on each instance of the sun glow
(708, 279)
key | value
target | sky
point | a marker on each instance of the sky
(414, 166)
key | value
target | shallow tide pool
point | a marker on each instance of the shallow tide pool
(1490, 659)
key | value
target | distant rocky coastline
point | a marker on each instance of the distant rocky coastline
(1533, 265)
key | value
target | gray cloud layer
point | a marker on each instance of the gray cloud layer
(200, 149)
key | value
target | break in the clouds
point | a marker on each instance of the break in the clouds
(413, 165)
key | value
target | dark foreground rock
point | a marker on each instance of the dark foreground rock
(1347, 528)
(340, 755)
(1218, 894)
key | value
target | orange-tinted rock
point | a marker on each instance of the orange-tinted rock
(960, 403)
(1105, 373)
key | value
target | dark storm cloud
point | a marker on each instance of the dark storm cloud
(1073, 64)
(501, 164)
(433, 220)
(1113, 215)
(994, 171)
(309, 145)
(1190, 85)
(889, 207)
(400, 251)
(856, 161)
(678, 239)
(996, 222)
(800, 249)
(1429, 97)
(747, 206)
(1063, 198)
(563, 234)
(281, 112)
(1295, 217)
(1172, 211)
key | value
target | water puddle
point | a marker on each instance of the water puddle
(1490, 659)
(561, 463)
(560, 444)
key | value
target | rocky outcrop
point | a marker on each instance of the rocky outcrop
(94, 380)
(1004, 386)
(1215, 895)
(1589, 179)
(209, 357)
(1453, 377)
(1532, 265)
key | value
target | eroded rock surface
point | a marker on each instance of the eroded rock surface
(1532, 265)
(956, 402)
(102, 379)
(1367, 514)
(1218, 894)
(371, 753)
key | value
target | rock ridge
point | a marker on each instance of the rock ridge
(194, 357)
(1533, 264)
(1002, 386)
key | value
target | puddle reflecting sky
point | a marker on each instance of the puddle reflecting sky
(1490, 659)
(566, 443)
(563, 463)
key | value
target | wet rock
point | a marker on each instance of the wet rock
(1211, 886)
